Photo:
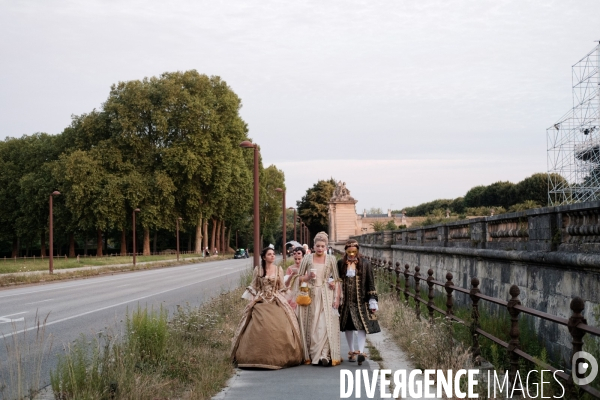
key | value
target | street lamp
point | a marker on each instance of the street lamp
(249, 145)
(134, 211)
(284, 220)
(51, 265)
(292, 208)
(178, 219)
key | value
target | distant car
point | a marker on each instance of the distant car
(240, 253)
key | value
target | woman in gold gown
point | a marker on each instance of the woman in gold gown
(268, 335)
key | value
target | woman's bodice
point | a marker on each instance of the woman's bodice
(269, 285)
(320, 272)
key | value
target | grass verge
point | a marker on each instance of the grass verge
(110, 266)
(184, 357)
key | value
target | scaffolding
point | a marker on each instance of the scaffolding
(574, 140)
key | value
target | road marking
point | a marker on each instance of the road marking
(112, 306)
(41, 301)
(4, 318)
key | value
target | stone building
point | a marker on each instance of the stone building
(345, 222)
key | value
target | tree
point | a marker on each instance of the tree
(378, 226)
(314, 206)
(375, 210)
(270, 203)
(390, 225)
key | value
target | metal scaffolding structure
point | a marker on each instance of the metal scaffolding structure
(574, 140)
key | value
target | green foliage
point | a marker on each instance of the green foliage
(526, 205)
(147, 334)
(378, 226)
(390, 225)
(168, 145)
(270, 203)
(375, 210)
(313, 208)
(500, 196)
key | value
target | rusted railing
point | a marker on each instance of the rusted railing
(577, 324)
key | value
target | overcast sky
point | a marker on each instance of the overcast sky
(405, 101)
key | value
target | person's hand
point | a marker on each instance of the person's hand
(331, 285)
(373, 311)
(336, 303)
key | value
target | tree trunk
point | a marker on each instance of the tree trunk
(228, 238)
(155, 240)
(85, 244)
(99, 243)
(71, 245)
(15, 247)
(212, 236)
(218, 236)
(42, 245)
(123, 242)
(198, 244)
(146, 251)
(223, 244)
(205, 234)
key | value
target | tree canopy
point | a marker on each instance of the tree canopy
(313, 207)
(168, 145)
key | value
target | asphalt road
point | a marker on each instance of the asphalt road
(95, 305)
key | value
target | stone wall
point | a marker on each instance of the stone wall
(552, 254)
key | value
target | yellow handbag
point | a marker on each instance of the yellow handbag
(303, 298)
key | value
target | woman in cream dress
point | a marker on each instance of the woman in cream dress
(268, 335)
(319, 321)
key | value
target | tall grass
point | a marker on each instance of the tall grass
(186, 356)
(26, 352)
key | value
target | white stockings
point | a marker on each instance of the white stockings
(362, 338)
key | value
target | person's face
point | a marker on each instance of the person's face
(320, 248)
(298, 257)
(269, 256)
(352, 252)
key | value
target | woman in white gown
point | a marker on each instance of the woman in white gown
(319, 321)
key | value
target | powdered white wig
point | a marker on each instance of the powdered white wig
(321, 237)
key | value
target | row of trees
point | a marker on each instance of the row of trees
(168, 145)
(531, 192)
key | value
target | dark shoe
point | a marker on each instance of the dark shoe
(361, 358)
(324, 362)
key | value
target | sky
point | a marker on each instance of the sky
(405, 101)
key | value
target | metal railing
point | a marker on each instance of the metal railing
(576, 324)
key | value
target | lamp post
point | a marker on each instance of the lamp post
(178, 219)
(292, 208)
(282, 191)
(134, 250)
(51, 238)
(249, 145)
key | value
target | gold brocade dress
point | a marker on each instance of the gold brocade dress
(319, 322)
(268, 335)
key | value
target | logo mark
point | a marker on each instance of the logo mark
(590, 364)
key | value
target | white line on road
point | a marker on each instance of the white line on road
(4, 318)
(111, 306)
(41, 301)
